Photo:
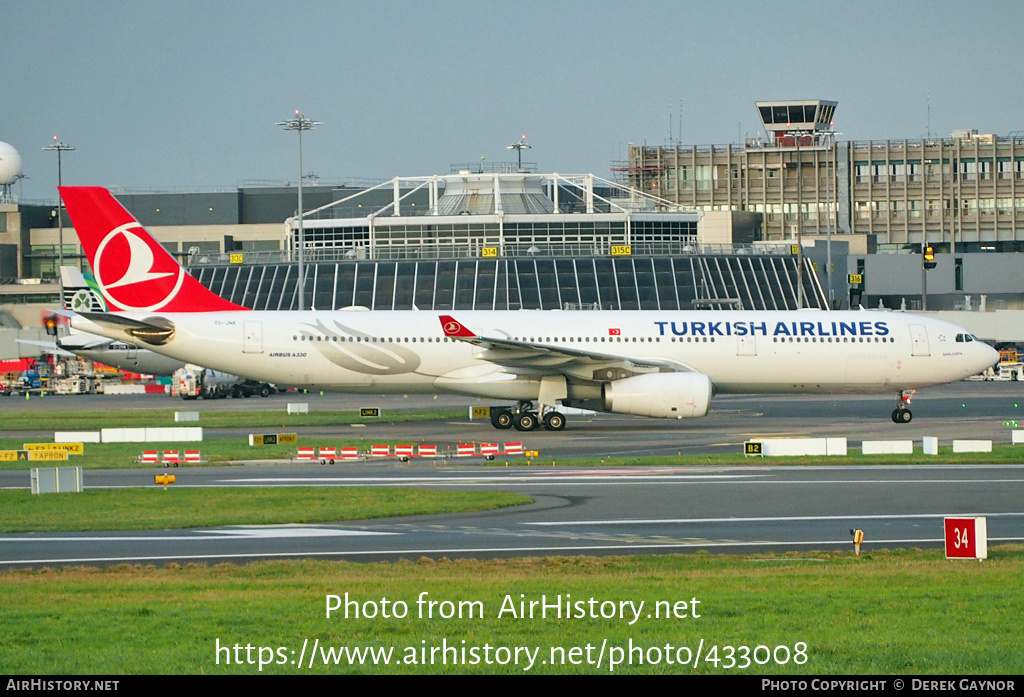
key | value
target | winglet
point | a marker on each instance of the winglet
(454, 328)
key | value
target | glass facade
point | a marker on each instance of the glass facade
(753, 282)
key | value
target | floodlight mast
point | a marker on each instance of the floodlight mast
(300, 123)
(519, 146)
(58, 146)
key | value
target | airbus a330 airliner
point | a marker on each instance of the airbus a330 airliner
(663, 364)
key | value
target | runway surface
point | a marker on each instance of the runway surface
(756, 508)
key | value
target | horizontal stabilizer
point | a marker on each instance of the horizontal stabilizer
(154, 331)
(47, 346)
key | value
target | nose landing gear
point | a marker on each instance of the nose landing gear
(901, 414)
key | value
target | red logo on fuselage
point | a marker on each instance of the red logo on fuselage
(134, 272)
(452, 327)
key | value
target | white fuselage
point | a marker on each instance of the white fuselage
(406, 351)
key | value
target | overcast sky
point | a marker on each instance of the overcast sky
(182, 94)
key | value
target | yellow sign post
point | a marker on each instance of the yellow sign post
(69, 448)
(33, 455)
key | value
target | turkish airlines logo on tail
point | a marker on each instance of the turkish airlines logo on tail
(134, 272)
(452, 327)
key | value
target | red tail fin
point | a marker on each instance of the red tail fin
(453, 328)
(131, 268)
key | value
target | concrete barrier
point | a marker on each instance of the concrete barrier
(887, 447)
(930, 445)
(182, 416)
(972, 446)
(780, 447)
(298, 407)
(151, 435)
(1017, 436)
(76, 436)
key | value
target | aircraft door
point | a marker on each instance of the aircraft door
(133, 352)
(746, 346)
(919, 340)
(253, 337)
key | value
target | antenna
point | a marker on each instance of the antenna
(929, 113)
(670, 138)
(680, 119)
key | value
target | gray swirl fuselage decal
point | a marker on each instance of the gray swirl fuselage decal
(353, 350)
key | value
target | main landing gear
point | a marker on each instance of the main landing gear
(902, 415)
(523, 417)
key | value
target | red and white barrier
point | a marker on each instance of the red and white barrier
(328, 454)
(379, 451)
(465, 450)
(149, 456)
(404, 451)
(350, 453)
(489, 449)
(427, 451)
(307, 453)
(513, 448)
(191, 457)
(171, 458)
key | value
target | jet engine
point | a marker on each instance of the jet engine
(661, 395)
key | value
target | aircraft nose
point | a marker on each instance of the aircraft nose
(988, 357)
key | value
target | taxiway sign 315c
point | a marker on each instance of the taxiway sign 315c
(665, 364)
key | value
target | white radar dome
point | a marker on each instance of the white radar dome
(10, 164)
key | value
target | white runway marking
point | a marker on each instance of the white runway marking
(537, 478)
(774, 519)
(266, 532)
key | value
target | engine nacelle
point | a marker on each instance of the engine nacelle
(661, 395)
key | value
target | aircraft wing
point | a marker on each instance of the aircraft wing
(530, 357)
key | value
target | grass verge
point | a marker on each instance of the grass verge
(226, 451)
(82, 420)
(150, 509)
(883, 613)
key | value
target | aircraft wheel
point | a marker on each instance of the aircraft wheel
(501, 418)
(526, 421)
(265, 391)
(901, 416)
(554, 421)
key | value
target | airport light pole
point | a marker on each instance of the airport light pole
(799, 223)
(300, 123)
(831, 143)
(519, 146)
(59, 147)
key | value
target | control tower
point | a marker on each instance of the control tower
(810, 118)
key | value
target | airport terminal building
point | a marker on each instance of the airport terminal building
(750, 225)
(502, 239)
